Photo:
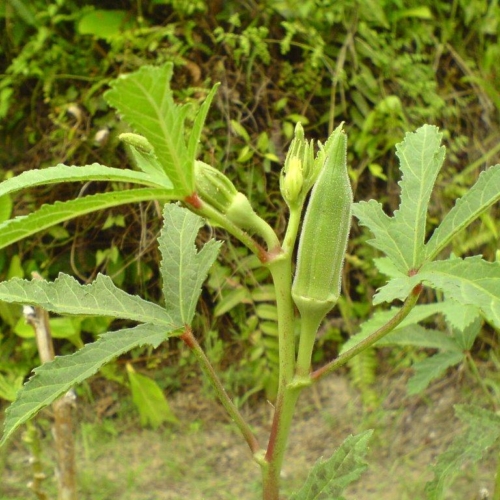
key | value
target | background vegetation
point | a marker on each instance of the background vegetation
(384, 67)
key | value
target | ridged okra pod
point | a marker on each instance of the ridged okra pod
(324, 235)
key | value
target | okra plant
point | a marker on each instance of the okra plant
(315, 186)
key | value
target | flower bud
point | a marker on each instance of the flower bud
(297, 175)
(213, 187)
(137, 141)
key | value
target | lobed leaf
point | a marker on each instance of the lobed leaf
(101, 298)
(49, 215)
(418, 336)
(471, 281)
(431, 368)
(402, 236)
(94, 172)
(329, 478)
(484, 193)
(421, 157)
(469, 446)
(54, 379)
(183, 268)
(145, 100)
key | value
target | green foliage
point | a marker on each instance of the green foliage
(66, 296)
(469, 447)
(144, 98)
(329, 478)
(149, 400)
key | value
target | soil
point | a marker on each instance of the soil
(205, 457)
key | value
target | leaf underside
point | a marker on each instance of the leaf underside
(183, 267)
(54, 379)
(101, 298)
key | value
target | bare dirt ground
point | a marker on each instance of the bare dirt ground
(205, 458)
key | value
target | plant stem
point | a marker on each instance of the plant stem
(309, 325)
(199, 207)
(287, 393)
(188, 338)
(281, 272)
(278, 439)
(408, 305)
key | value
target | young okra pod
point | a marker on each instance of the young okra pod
(324, 235)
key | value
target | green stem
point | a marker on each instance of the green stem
(193, 344)
(309, 325)
(281, 272)
(374, 337)
(292, 229)
(287, 393)
(278, 439)
(198, 206)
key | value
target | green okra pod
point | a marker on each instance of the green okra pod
(324, 235)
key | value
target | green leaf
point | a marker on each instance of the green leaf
(53, 379)
(144, 98)
(484, 193)
(458, 315)
(183, 268)
(199, 122)
(469, 446)
(471, 281)
(402, 236)
(49, 215)
(466, 337)
(418, 336)
(94, 172)
(329, 478)
(5, 208)
(104, 23)
(149, 400)
(431, 368)
(101, 298)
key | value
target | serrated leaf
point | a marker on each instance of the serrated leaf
(402, 236)
(145, 100)
(199, 122)
(395, 289)
(101, 298)
(49, 215)
(53, 379)
(183, 267)
(471, 281)
(380, 318)
(149, 400)
(469, 446)
(421, 157)
(431, 368)
(484, 193)
(64, 173)
(458, 315)
(466, 337)
(329, 478)
(418, 336)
